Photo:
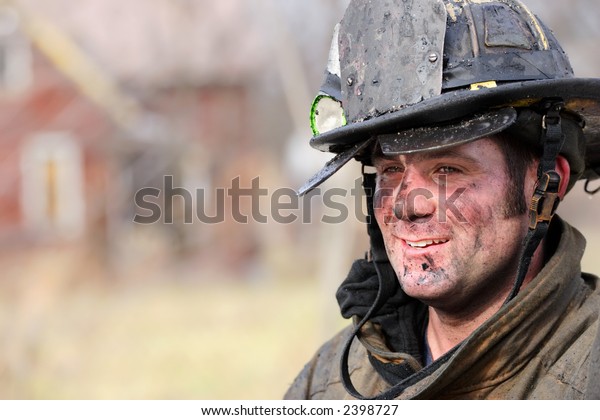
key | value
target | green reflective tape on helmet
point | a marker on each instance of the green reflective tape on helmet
(326, 113)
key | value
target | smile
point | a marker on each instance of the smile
(425, 243)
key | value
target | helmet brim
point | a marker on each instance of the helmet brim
(438, 137)
(437, 115)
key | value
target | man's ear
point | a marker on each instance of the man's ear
(564, 170)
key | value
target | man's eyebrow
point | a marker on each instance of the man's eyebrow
(380, 158)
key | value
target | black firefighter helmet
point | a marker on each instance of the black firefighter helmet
(427, 74)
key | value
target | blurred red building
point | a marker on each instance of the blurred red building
(53, 140)
(77, 141)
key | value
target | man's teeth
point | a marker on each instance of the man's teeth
(423, 244)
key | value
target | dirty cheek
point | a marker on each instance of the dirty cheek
(479, 222)
(383, 204)
(466, 207)
(381, 197)
(378, 197)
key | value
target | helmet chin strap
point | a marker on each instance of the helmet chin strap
(387, 280)
(545, 198)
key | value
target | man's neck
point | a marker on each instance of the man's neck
(447, 329)
(444, 332)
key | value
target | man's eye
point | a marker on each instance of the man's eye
(447, 170)
(392, 169)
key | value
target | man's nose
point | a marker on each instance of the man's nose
(415, 200)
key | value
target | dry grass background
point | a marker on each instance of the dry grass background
(177, 339)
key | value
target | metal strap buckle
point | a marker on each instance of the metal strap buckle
(549, 120)
(545, 199)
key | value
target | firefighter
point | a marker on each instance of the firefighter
(471, 128)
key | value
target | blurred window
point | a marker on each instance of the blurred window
(52, 197)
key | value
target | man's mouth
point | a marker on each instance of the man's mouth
(425, 243)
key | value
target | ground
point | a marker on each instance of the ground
(167, 340)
